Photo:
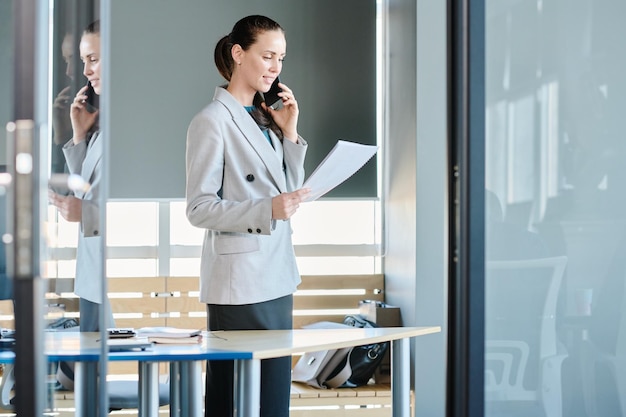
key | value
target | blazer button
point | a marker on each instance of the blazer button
(250, 177)
(258, 230)
(95, 232)
(249, 230)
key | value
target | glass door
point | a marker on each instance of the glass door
(44, 202)
(555, 293)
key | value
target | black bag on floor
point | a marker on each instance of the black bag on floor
(342, 368)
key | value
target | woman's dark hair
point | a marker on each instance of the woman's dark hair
(93, 28)
(245, 34)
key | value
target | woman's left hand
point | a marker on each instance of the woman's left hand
(69, 206)
(287, 117)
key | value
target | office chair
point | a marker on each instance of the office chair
(125, 394)
(604, 350)
(523, 356)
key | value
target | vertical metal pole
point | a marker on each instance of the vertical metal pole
(23, 264)
(148, 389)
(247, 388)
(191, 399)
(466, 112)
(24, 214)
(86, 373)
(400, 373)
(175, 389)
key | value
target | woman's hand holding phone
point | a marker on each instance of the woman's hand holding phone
(82, 119)
(286, 117)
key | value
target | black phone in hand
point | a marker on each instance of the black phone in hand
(91, 101)
(271, 97)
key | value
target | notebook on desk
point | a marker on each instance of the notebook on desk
(133, 343)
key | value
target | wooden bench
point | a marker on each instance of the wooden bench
(173, 301)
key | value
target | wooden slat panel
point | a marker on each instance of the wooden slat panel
(187, 322)
(143, 285)
(185, 304)
(138, 305)
(300, 390)
(137, 323)
(6, 307)
(331, 301)
(122, 368)
(183, 284)
(301, 321)
(330, 282)
(131, 368)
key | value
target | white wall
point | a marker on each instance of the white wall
(415, 265)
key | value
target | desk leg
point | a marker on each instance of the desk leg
(148, 389)
(86, 388)
(247, 388)
(186, 389)
(175, 388)
(400, 376)
(191, 394)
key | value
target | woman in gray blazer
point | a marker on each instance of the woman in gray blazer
(245, 167)
(83, 154)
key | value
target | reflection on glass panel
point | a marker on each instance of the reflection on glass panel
(6, 102)
(555, 215)
(520, 173)
(75, 244)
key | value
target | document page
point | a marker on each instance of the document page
(341, 163)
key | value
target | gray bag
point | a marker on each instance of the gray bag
(313, 368)
(348, 367)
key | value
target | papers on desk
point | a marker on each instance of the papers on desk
(170, 335)
(345, 159)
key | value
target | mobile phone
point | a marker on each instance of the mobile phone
(271, 97)
(92, 99)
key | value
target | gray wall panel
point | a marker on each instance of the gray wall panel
(415, 201)
(163, 74)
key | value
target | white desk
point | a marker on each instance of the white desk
(246, 348)
(276, 343)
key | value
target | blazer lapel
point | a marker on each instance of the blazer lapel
(272, 158)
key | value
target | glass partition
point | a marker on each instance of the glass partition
(39, 190)
(75, 271)
(555, 272)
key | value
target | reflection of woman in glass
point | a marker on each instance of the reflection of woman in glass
(83, 153)
(244, 173)
(61, 123)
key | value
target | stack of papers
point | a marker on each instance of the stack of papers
(170, 335)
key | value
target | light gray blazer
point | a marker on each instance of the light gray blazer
(232, 175)
(86, 160)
